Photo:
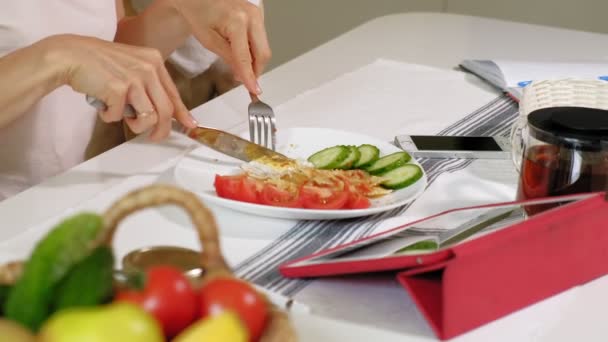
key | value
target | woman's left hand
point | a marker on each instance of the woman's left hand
(234, 30)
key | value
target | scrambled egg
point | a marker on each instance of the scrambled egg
(291, 174)
(267, 167)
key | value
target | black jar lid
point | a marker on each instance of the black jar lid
(575, 127)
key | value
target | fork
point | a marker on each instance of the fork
(261, 121)
(261, 117)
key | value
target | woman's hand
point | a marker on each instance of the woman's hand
(120, 74)
(234, 30)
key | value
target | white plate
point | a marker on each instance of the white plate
(196, 172)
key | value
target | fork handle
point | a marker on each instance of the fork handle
(254, 97)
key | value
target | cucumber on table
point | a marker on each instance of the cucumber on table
(29, 300)
(330, 157)
(88, 283)
(351, 159)
(388, 163)
(401, 177)
(369, 154)
(4, 290)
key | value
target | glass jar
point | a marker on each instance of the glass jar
(560, 151)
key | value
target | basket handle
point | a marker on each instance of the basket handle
(203, 220)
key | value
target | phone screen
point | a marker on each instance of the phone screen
(455, 143)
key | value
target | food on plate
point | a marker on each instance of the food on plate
(110, 322)
(225, 326)
(369, 154)
(68, 289)
(345, 157)
(402, 176)
(304, 187)
(329, 158)
(336, 177)
(350, 160)
(167, 295)
(388, 163)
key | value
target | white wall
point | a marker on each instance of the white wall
(586, 15)
(296, 26)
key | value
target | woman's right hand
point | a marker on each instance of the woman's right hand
(119, 74)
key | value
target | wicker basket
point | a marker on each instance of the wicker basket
(278, 328)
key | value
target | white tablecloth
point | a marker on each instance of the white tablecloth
(382, 99)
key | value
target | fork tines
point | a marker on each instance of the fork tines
(262, 124)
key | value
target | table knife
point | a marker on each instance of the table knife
(216, 139)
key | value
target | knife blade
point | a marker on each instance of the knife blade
(232, 145)
(216, 139)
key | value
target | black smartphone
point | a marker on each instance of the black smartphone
(450, 146)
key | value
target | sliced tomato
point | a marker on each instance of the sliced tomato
(271, 195)
(238, 188)
(250, 190)
(323, 198)
(357, 201)
(228, 186)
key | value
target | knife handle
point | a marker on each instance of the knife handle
(129, 112)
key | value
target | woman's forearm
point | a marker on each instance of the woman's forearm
(159, 26)
(28, 74)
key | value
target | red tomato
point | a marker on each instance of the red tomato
(222, 294)
(228, 186)
(249, 191)
(239, 188)
(323, 198)
(168, 296)
(357, 201)
(271, 195)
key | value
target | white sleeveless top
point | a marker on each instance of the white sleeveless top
(53, 135)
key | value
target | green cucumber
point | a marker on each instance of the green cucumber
(88, 283)
(369, 154)
(401, 177)
(29, 301)
(4, 290)
(330, 157)
(389, 162)
(353, 157)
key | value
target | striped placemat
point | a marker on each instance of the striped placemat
(307, 237)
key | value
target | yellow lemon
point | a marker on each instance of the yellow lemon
(225, 327)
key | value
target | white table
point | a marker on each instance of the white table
(437, 40)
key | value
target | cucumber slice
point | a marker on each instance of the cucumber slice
(330, 157)
(369, 154)
(401, 177)
(387, 163)
(353, 157)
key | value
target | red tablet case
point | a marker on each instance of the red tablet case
(483, 279)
